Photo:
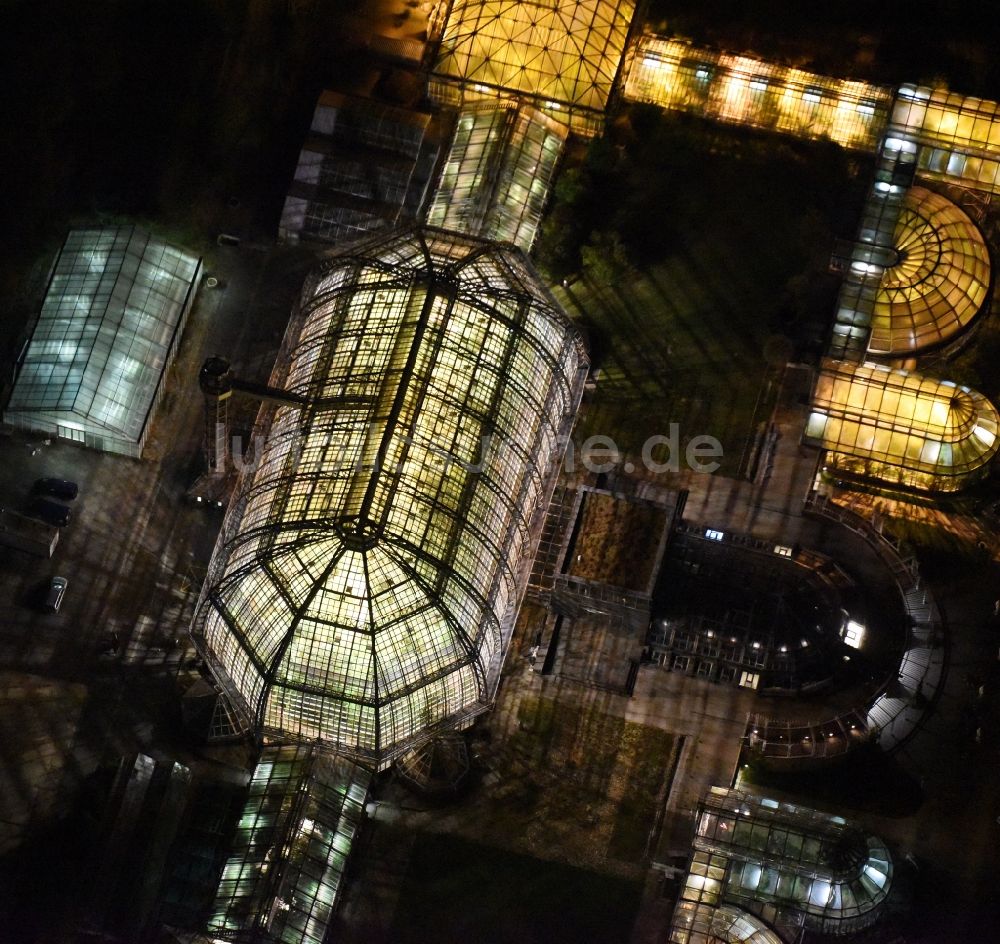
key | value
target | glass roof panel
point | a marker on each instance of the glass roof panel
(104, 336)
(371, 597)
(939, 282)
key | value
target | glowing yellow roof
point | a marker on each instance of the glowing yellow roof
(674, 74)
(960, 135)
(940, 282)
(565, 53)
(901, 427)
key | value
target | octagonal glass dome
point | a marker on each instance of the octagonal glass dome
(365, 586)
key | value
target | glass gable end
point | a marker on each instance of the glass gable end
(108, 328)
(368, 590)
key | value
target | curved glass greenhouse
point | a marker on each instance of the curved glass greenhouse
(365, 586)
(901, 428)
(702, 924)
(785, 862)
(939, 282)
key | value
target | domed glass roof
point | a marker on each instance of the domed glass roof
(940, 281)
(368, 577)
(563, 54)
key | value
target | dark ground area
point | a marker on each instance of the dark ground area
(891, 42)
(519, 898)
(189, 114)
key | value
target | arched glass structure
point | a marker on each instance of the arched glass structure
(759, 855)
(367, 579)
(727, 924)
(939, 281)
(901, 428)
(565, 55)
(674, 74)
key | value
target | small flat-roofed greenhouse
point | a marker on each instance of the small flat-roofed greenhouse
(108, 329)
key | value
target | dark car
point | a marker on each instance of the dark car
(61, 488)
(49, 511)
(54, 594)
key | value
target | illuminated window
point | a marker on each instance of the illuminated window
(853, 633)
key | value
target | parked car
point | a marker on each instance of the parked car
(49, 511)
(60, 488)
(54, 595)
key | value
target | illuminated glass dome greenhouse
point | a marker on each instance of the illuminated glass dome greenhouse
(939, 282)
(367, 579)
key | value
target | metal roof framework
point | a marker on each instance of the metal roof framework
(109, 326)
(365, 585)
(563, 55)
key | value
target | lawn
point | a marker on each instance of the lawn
(579, 784)
(617, 541)
(461, 891)
(696, 257)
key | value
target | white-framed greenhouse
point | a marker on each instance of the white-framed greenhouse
(790, 866)
(368, 575)
(112, 317)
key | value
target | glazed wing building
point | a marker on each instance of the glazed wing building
(366, 582)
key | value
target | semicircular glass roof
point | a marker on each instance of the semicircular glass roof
(901, 427)
(940, 281)
(698, 923)
(367, 582)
